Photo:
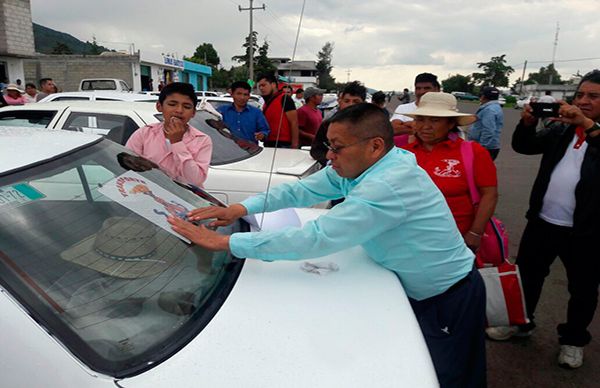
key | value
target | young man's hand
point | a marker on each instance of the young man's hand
(527, 116)
(174, 129)
(200, 235)
(570, 114)
(259, 136)
(224, 215)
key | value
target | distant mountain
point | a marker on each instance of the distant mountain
(49, 41)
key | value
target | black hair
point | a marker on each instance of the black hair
(270, 77)
(378, 97)
(356, 89)
(240, 85)
(429, 78)
(178, 87)
(30, 85)
(366, 120)
(299, 90)
(43, 81)
(592, 76)
(287, 87)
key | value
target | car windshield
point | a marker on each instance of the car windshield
(86, 250)
(27, 118)
(226, 147)
(99, 85)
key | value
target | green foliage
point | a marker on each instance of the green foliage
(495, 72)
(324, 67)
(61, 49)
(546, 76)
(46, 40)
(94, 48)
(205, 54)
(263, 63)
(458, 83)
(244, 58)
(223, 78)
(511, 99)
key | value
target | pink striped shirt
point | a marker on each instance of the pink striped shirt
(186, 161)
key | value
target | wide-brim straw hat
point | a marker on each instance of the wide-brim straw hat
(127, 247)
(438, 104)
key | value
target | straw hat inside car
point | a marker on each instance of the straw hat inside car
(438, 104)
(127, 247)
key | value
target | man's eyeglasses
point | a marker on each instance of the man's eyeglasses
(338, 149)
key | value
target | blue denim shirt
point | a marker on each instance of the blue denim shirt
(486, 130)
(246, 123)
(393, 210)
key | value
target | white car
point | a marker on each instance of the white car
(238, 168)
(94, 293)
(99, 95)
(522, 102)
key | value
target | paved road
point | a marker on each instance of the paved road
(531, 362)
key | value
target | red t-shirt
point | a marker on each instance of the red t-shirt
(445, 167)
(309, 120)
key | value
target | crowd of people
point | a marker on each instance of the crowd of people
(15, 94)
(399, 188)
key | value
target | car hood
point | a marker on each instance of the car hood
(284, 327)
(287, 161)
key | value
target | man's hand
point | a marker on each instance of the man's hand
(403, 127)
(224, 215)
(527, 116)
(174, 129)
(570, 114)
(199, 235)
(259, 136)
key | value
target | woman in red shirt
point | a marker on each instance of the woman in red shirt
(438, 151)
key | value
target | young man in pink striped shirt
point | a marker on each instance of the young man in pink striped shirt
(180, 150)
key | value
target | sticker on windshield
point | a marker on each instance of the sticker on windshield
(147, 199)
(18, 194)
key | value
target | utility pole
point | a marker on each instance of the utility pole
(348, 72)
(250, 40)
(522, 78)
(554, 51)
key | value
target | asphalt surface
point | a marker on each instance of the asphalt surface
(531, 362)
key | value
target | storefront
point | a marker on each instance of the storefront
(157, 69)
(196, 75)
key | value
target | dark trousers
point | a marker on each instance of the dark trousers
(493, 152)
(453, 324)
(281, 144)
(541, 243)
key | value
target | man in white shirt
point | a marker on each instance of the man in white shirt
(564, 215)
(403, 125)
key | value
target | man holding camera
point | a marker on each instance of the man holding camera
(564, 213)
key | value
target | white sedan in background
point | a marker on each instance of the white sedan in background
(238, 168)
(99, 95)
(94, 293)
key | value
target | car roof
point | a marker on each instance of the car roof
(22, 146)
(58, 105)
(124, 96)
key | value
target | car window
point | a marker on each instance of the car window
(70, 98)
(217, 104)
(124, 86)
(99, 85)
(226, 147)
(107, 99)
(120, 292)
(27, 118)
(100, 123)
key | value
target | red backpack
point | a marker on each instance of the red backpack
(493, 250)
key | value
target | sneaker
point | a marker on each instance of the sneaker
(502, 333)
(570, 356)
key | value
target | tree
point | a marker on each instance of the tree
(61, 49)
(458, 83)
(205, 54)
(495, 72)
(263, 63)
(244, 58)
(324, 67)
(95, 49)
(544, 76)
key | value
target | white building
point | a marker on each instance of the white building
(298, 72)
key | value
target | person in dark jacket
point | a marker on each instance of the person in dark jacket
(564, 214)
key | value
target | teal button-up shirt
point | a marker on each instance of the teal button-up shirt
(393, 210)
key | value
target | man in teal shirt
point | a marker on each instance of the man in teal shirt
(393, 209)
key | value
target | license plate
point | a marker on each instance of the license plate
(18, 194)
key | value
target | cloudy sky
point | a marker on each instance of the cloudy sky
(383, 43)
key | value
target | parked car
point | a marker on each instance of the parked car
(330, 101)
(99, 95)
(501, 100)
(206, 93)
(104, 84)
(93, 294)
(522, 102)
(465, 96)
(238, 168)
